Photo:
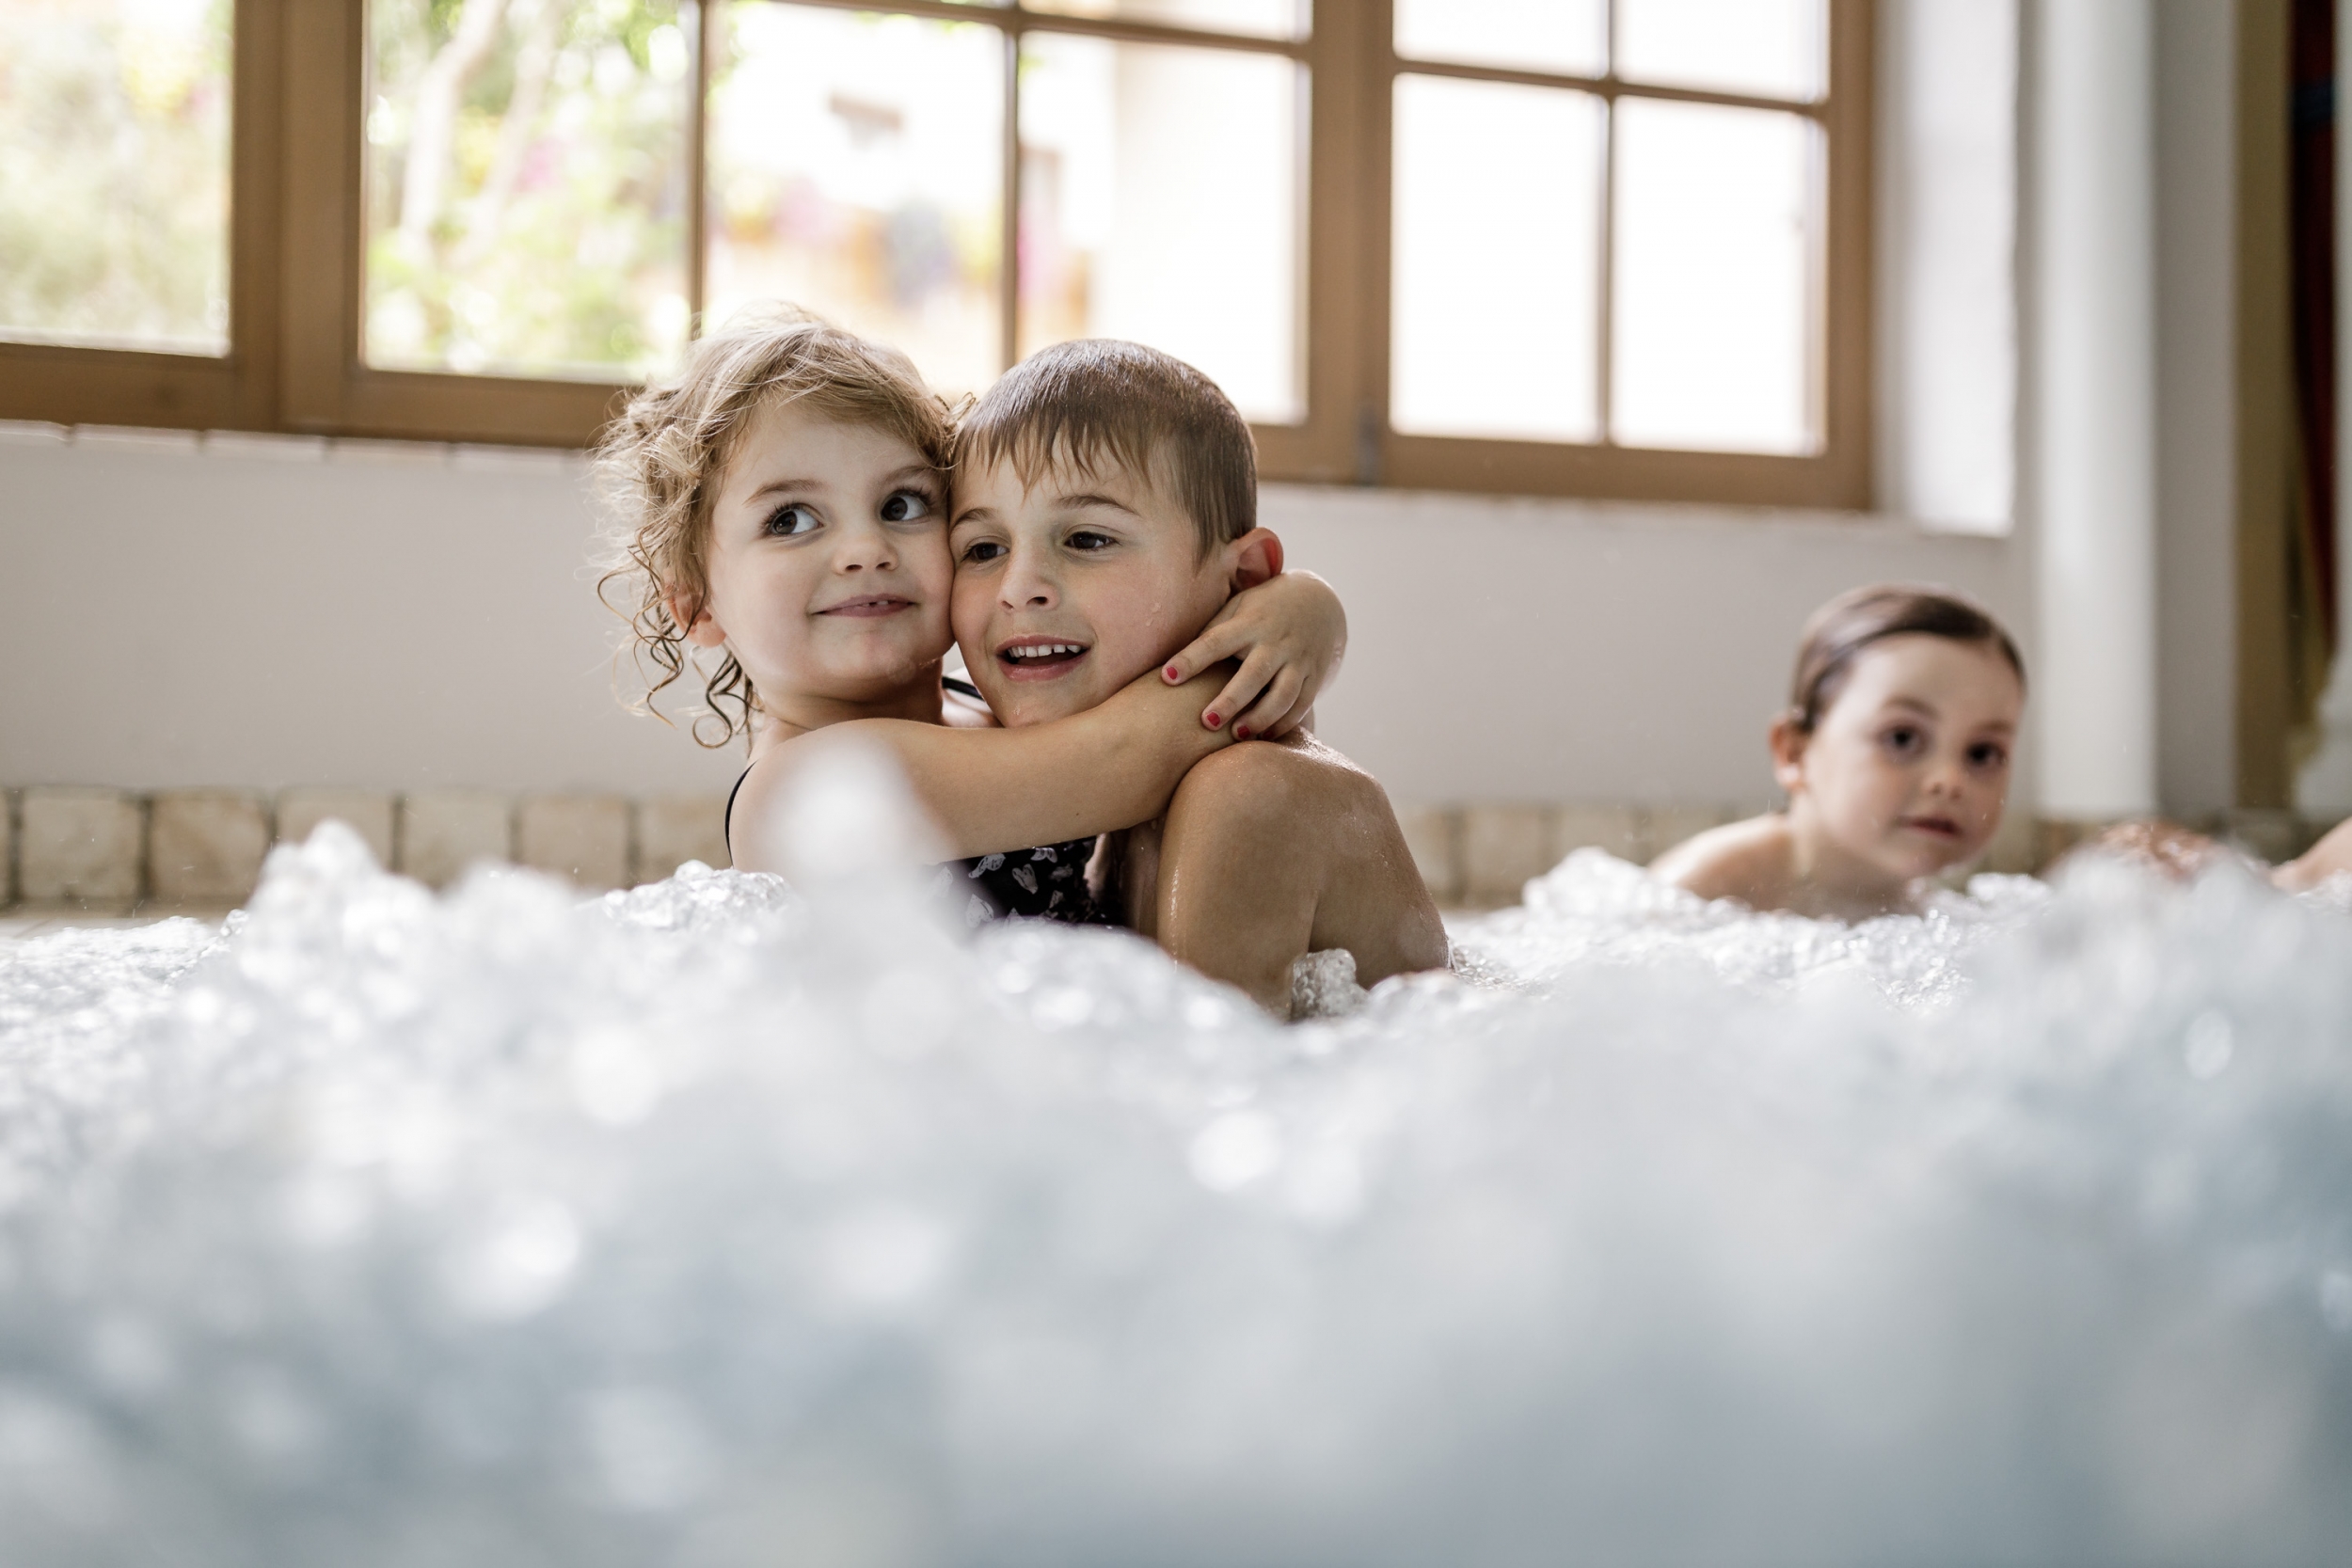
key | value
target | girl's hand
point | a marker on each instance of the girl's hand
(1290, 633)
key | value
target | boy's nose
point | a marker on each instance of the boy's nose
(1025, 588)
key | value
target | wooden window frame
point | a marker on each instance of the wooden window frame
(294, 361)
(1837, 476)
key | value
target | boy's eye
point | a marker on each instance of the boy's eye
(981, 550)
(788, 521)
(1087, 539)
(906, 506)
(1988, 754)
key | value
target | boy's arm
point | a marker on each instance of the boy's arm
(991, 789)
(1290, 632)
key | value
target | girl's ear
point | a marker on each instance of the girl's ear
(1788, 753)
(694, 616)
(1253, 558)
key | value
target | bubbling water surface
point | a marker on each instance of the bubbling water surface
(718, 1223)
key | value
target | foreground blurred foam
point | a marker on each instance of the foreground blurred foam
(717, 1224)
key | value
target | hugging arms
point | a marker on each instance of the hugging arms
(787, 501)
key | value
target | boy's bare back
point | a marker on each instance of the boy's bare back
(1274, 850)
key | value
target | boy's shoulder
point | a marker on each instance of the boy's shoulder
(1295, 772)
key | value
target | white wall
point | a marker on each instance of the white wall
(265, 613)
(1557, 650)
(2092, 276)
(1947, 220)
(259, 615)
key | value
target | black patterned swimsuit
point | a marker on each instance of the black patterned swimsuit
(1048, 882)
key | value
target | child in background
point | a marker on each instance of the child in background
(785, 505)
(1106, 511)
(1895, 753)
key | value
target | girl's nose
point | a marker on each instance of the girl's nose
(864, 548)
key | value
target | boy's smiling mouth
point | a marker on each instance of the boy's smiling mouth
(1038, 659)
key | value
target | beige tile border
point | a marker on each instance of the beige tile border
(85, 853)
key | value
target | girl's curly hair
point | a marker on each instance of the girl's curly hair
(659, 463)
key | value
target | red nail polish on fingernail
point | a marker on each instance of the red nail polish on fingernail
(1170, 671)
(1211, 719)
(1241, 732)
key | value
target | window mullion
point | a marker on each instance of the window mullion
(1008, 224)
(709, 22)
(1604, 295)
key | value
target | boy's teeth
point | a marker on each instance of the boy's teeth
(1047, 651)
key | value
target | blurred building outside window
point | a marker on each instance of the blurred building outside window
(114, 173)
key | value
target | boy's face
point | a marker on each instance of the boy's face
(1069, 589)
(1908, 771)
(828, 564)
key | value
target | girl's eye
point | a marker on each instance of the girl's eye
(1087, 539)
(787, 522)
(906, 506)
(1903, 741)
(981, 550)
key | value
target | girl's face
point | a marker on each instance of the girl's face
(828, 564)
(1907, 772)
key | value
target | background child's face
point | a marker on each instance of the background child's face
(1909, 768)
(829, 569)
(1068, 589)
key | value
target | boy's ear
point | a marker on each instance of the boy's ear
(1253, 558)
(694, 616)
(1788, 754)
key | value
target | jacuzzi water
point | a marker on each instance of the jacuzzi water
(715, 1224)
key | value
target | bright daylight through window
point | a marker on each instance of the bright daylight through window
(114, 173)
(1631, 252)
(530, 162)
(1605, 248)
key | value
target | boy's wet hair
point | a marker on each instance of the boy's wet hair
(1840, 629)
(1096, 403)
(660, 463)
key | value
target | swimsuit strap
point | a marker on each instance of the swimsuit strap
(727, 824)
(965, 686)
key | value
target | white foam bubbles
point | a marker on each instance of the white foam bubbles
(719, 1223)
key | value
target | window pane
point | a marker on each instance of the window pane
(1273, 18)
(1772, 48)
(856, 168)
(526, 186)
(1144, 217)
(1570, 37)
(1497, 224)
(1714, 320)
(114, 173)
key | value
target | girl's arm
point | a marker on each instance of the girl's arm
(987, 790)
(1290, 633)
